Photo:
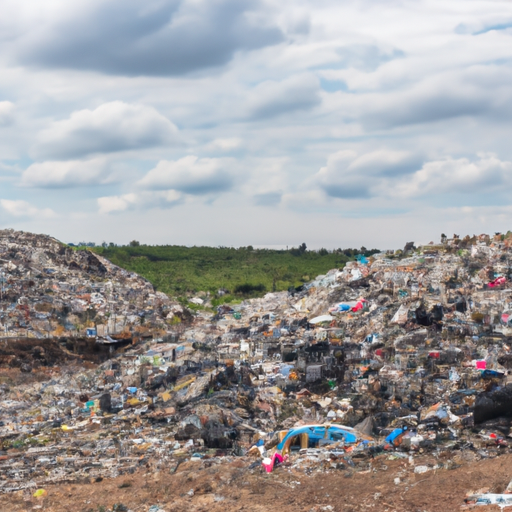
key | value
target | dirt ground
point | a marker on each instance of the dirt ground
(207, 486)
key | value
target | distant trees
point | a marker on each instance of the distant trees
(247, 288)
(352, 253)
(299, 251)
(180, 270)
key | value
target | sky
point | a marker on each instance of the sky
(254, 122)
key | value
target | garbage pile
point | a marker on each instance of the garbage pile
(401, 355)
(49, 289)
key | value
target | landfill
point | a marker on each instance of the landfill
(403, 356)
(51, 290)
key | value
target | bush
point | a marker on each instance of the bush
(247, 288)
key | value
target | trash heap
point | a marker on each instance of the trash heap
(49, 289)
(402, 355)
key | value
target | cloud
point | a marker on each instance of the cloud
(299, 23)
(224, 145)
(6, 113)
(191, 175)
(141, 200)
(270, 199)
(398, 174)
(497, 27)
(8, 170)
(156, 37)
(348, 175)
(267, 181)
(63, 174)
(484, 25)
(111, 127)
(385, 162)
(271, 99)
(366, 57)
(111, 204)
(433, 99)
(23, 209)
(486, 174)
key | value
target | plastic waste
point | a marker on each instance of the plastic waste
(503, 500)
(497, 282)
(270, 463)
(393, 438)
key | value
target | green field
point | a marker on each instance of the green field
(244, 272)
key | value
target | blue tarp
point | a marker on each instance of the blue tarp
(391, 437)
(317, 432)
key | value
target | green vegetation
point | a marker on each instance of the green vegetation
(244, 272)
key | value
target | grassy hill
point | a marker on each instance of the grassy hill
(243, 272)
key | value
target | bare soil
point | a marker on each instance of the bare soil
(207, 486)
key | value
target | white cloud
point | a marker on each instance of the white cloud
(398, 174)
(385, 162)
(71, 173)
(6, 113)
(111, 204)
(267, 181)
(156, 38)
(20, 208)
(191, 175)
(271, 99)
(141, 200)
(111, 127)
(431, 100)
(224, 145)
(458, 176)
(349, 175)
